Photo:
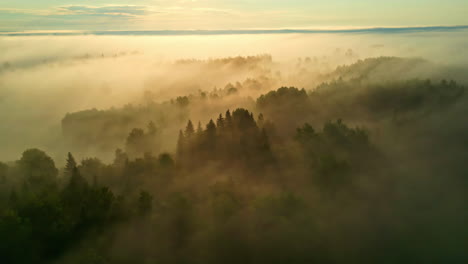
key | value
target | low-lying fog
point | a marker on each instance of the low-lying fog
(42, 78)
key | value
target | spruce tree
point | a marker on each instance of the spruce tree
(189, 130)
(71, 165)
(220, 122)
(211, 128)
(228, 119)
(210, 134)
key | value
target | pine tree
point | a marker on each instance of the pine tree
(189, 130)
(220, 122)
(210, 134)
(71, 165)
(211, 128)
(228, 119)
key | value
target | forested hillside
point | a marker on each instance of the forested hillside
(352, 171)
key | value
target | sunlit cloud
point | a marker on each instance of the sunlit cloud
(112, 10)
(106, 10)
(228, 14)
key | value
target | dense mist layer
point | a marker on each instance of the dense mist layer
(44, 77)
(300, 148)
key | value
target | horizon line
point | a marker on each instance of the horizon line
(379, 30)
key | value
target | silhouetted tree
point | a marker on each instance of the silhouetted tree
(228, 119)
(37, 167)
(189, 130)
(210, 137)
(70, 165)
(220, 122)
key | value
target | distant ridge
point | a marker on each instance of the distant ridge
(375, 30)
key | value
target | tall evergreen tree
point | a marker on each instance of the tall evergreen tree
(71, 165)
(228, 119)
(189, 130)
(76, 180)
(220, 122)
(211, 128)
(210, 134)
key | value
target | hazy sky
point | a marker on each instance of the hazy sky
(18, 15)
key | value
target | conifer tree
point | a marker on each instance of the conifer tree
(210, 134)
(220, 122)
(211, 128)
(228, 119)
(71, 165)
(189, 130)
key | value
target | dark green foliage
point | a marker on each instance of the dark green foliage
(368, 68)
(182, 101)
(140, 142)
(238, 191)
(359, 101)
(16, 246)
(236, 141)
(71, 165)
(336, 152)
(286, 105)
(283, 95)
(189, 130)
(398, 101)
(38, 168)
(104, 130)
(3, 172)
(92, 170)
(165, 161)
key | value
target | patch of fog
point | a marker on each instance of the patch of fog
(44, 77)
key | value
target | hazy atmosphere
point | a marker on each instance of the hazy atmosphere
(233, 131)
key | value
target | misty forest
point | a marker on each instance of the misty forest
(118, 157)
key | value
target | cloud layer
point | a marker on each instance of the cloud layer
(226, 14)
